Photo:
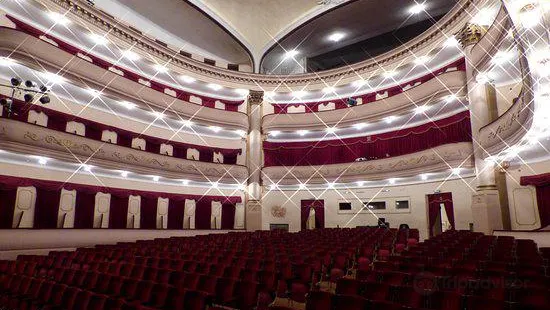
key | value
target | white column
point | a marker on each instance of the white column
(481, 95)
(254, 160)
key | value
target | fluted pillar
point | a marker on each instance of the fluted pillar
(486, 209)
(254, 161)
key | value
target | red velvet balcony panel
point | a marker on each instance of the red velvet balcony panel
(98, 61)
(58, 121)
(453, 129)
(48, 196)
(341, 103)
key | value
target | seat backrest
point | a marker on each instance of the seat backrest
(319, 300)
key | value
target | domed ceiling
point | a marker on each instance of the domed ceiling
(258, 33)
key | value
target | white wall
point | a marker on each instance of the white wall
(506, 95)
(524, 212)
(416, 217)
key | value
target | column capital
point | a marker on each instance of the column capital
(470, 34)
(255, 97)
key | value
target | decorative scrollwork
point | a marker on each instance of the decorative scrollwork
(278, 211)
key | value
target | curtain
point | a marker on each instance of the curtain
(228, 216)
(148, 213)
(203, 213)
(543, 201)
(434, 207)
(176, 210)
(84, 209)
(7, 206)
(319, 206)
(450, 130)
(46, 208)
(118, 212)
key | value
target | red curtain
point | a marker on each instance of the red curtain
(7, 206)
(46, 208)
(542, 183)
(203, 212)
(434, 209)
(406, 141)
(148, 213)
(319, 207)
(118, 212)
(176, 210)
(84, 209)
(228, 215)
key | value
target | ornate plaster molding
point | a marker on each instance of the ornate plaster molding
(432, 160)
(435, 35)
(32, 139)
(471, 34)
(255, 97)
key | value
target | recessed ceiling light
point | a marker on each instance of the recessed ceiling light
(360, 126)
(450, 98)
(331, 130)
(337, 36)
(87, 168)
(291, 54)
(52, 78)
(214, 184)
(451, 42)
(417, 8)
(501, 57)
(185, 182)
(6, 62)
(359, 83)
(160, 68)
(389, 74)
(328, 90)
(360, 183)
(187, 79)
(456, 171)
(215, 86)
(274, 133)
(156, 178)
(124, 174)
(130, 55)
(302, 132)
(390, 119)
(98, 39)
(158, 115)
(42, 160)
(94, 92)
(302, 186)
(215, 128)
(299, 93)
(391, 181)
(273, 187)
(331, 184)
(424, 177)
(422, 60)
(128, 105)
(241, 91)
(187, 123)
(421, 109)
(59, 18)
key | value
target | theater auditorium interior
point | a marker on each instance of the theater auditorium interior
(275, 154)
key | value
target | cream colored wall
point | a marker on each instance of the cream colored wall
(524, 214)
(416, 217)
(505, 96)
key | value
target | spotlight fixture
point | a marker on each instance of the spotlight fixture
(185, 182)
(130, 55)
(30, 84)
(424, 177)
(302, 132)
(391, 181)
(273, 187)
(214, 184)
(360, 126)
(156, 178)
(59, 18)
(45, 99)
(160, 68)
(215, 129)
(421, 109)
(215, 87)
(187, 79)
(98, 39)
(128, 105)
(456, 171)
(302, 186)
(42, 160)
(187, 123)
(360, 183)
(331, 130)
(124, 174)
(16, 81)
(28, 98)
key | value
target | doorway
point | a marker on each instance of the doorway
(313, 214)
(440, 213)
